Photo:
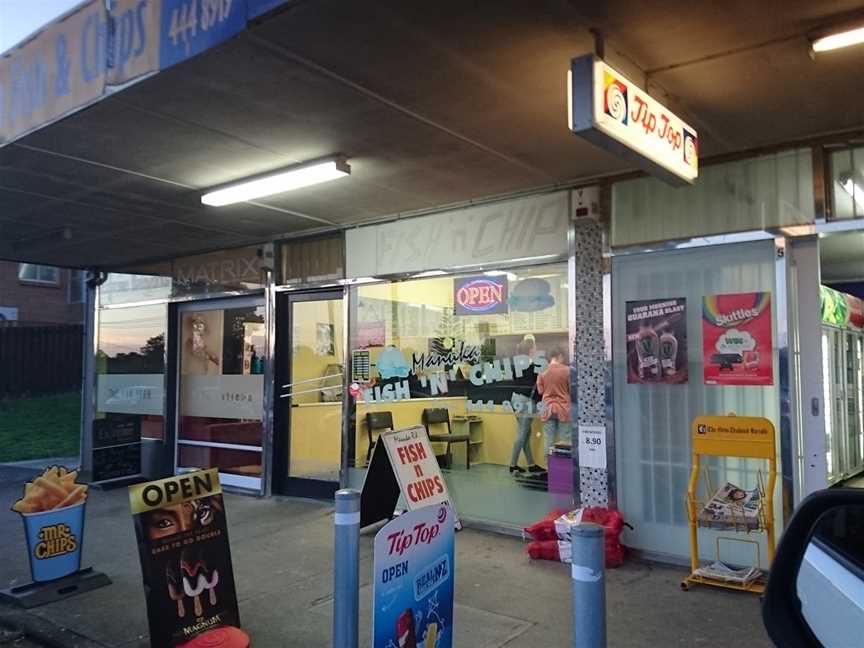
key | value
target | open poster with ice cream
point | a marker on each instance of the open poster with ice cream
(185, 556)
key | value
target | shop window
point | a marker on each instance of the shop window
(130, 367)
(473, 346)
(847, 183)
(77, 288)
(221, 391)
(41, 274)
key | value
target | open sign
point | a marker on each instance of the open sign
(480, 295)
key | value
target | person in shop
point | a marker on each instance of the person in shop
(553, 384)
(522, 402)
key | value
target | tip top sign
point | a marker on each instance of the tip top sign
(610, 111)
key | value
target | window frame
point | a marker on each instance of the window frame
(23, 267)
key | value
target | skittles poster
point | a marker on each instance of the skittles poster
(737, 339)
(182, 538)
(412, 589)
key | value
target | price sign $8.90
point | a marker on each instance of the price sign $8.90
(592, 446)
(193, 15)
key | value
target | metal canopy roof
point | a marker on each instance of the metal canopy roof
(433, 103)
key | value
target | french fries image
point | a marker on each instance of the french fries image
(54, 489)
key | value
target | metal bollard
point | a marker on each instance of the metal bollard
(589, 586)
(346, 569)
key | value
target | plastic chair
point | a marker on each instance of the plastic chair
(377, 421)
(436, 415)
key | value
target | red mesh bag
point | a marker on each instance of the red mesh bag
(544, 528)
(613, 524)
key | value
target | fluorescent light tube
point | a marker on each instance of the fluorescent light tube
(288, 180)
(841, 39)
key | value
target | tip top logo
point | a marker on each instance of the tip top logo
(691, 149)
(615, 98)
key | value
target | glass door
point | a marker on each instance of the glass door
(221, 389)
(310, 360)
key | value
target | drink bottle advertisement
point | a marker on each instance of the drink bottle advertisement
(412, 590)
(182, 538)
(657, 341)
(737, 340)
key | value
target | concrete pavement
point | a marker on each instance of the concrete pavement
(283, 564)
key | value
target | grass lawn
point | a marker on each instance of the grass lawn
(42, 426)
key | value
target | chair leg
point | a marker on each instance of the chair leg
(468, 455)
(369, 453)
(449, 456)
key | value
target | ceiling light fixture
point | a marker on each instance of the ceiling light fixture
(289, 179)
(838, 40)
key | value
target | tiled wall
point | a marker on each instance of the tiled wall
(588, 352)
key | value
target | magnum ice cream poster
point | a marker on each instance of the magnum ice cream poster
(736, 339)
(657, 341)
(185, 557)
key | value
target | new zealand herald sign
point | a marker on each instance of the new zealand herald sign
(610, 111)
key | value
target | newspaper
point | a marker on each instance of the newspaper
(723, 572)
(732, 507)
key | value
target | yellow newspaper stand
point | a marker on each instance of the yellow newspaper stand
(732, 436)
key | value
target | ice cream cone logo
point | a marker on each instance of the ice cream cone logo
(691, 149)
(614, 98)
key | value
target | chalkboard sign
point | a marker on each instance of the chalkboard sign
(116, 429)
(116, 461)
(116, 446)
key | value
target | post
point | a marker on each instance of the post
(589, 586)
(346, 569)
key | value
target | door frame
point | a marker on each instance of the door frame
(255, 484)
(283, 482)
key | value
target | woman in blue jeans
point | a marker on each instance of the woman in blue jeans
(523, 408)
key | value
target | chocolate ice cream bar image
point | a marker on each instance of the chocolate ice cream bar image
(175, 591)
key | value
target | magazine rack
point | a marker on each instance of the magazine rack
(732, 436)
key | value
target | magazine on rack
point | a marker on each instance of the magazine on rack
(723, 572)
(732, 507)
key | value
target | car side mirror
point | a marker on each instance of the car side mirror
(815, 592)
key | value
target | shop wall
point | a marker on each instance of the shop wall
(769, 191)
(652, 421)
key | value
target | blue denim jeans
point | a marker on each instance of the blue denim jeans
(524, 417)
(553, 430)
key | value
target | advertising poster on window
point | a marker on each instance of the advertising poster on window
(185, 557)
(413, 588)
(736, 339)
(657, 341)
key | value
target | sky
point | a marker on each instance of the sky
(20, 18)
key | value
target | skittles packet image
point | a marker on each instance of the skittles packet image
(53, 511)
